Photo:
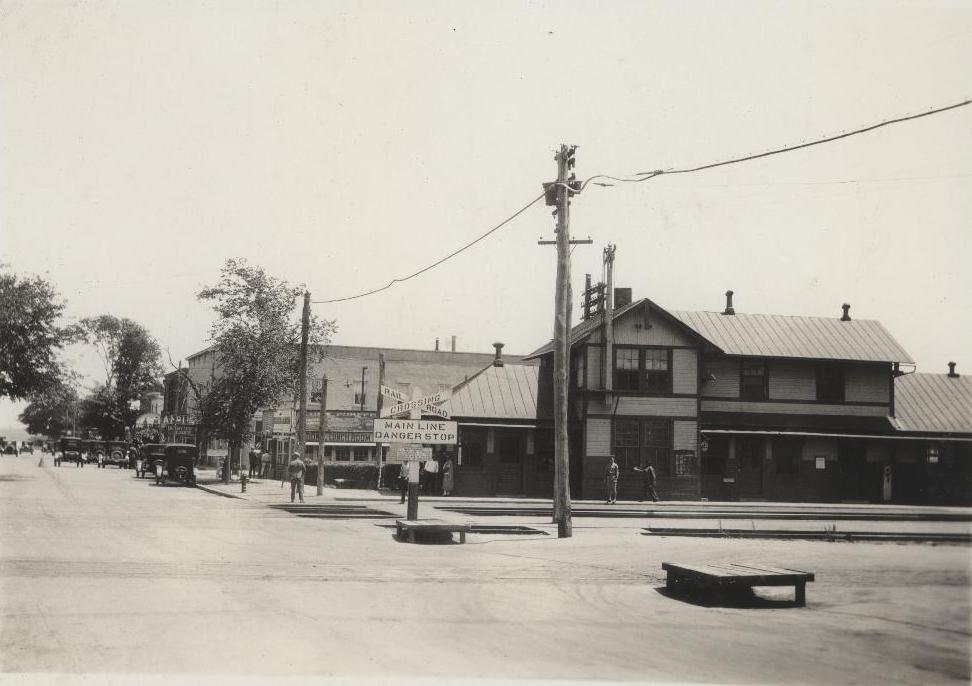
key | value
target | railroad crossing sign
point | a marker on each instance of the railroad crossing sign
(393, 394)
(426, 405)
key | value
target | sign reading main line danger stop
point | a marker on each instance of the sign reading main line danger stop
(415, 431)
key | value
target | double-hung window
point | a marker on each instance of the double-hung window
(830, 383)
(753, 382)
(640, 442)
(648, 370)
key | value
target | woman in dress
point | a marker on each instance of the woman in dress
(448, 481)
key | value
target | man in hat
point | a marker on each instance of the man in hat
(296, 470)
(611, 474)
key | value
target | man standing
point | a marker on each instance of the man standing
(611, 473)
(296, 470)
(265, 464)
(648, 482)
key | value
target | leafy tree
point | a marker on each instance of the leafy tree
(51, 413)
(256, 339)
(31, 335)
(133, 364)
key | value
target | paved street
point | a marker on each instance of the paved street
(104, 573)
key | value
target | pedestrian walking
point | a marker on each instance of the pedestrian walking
(101, 460)
(80, 459)
(648, 480)
(611, 474)
(448, 480)
(296, 470)
(265, 464)
(159, 465)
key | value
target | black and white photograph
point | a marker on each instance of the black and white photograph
(521, 342)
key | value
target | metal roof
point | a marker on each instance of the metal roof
(819, 338)
(933, 403)
(507, 392)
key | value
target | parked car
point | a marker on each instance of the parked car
(10, 449)
(70, 449)
(151, 454)
(117, 454)
(180, 463)
(26, 447)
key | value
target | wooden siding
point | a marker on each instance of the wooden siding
(641, 326)
(726, 373)
(867, 384)
(598, 436)
(794, 408)
(685, 371)
(646, 406)
(792, 380)
(685, 435)
(594, 355)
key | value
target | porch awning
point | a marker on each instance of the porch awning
(810, 434)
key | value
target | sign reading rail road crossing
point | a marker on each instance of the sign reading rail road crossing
(394, 395)
(415, 431)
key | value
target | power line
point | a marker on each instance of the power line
(645, 176)
(438, 262)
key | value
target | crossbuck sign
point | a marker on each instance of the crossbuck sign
(426, 405)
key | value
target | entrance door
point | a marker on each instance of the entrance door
(509, 477)
(749, 455)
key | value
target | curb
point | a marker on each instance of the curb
(219, 493)
(849, 536)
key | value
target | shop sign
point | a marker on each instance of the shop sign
(416, 453)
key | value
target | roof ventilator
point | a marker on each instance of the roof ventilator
(846, 316)
(498, 362)
(951, 371)
(729, 308)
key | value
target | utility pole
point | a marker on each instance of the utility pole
(379, 458)
(323, 431)
(362, 398)
(558, 194)
(302, 385)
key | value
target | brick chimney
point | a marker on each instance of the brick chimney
(436, 344)
(453, 344)
(951, 371)
(498, 362)
(846, 316)
(622, 297)
(729, 308)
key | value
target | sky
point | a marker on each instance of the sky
(342, 144)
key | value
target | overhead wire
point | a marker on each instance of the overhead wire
(440, 261)
(640, 177)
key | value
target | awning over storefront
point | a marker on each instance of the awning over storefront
(749, 432)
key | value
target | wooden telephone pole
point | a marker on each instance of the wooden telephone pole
(379, 458)
(558, 194)
(302, 385)
(322, 426)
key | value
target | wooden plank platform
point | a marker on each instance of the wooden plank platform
(719, 578)
(408, 529)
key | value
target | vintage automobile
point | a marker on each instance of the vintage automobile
(180, 463)
(70, 449)
(117, 454)
(26, 447)
(10, 449)
(150, 454)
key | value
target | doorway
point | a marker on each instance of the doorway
(509, 476)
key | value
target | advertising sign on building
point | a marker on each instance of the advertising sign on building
(415, 431)
(416, 452)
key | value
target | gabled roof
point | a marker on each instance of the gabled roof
(933, 403)
(589, 326)
(507, 392)
(819, 338)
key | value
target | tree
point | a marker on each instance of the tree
(133, 365)
(30, 336)
(51, 413)
(256, 340)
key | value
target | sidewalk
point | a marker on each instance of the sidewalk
(673, 517)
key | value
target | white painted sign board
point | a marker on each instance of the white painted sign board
(416, 453)
(415, 431)
(394, 395)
